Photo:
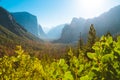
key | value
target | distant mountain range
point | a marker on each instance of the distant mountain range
(24, 23)
(21, 22)
(30, 23)
(55, 33)
(108, 21)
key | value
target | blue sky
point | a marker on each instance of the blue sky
(54, 12)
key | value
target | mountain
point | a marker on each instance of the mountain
(8, 22)
(55, 33)
(108, 21)
(30, 23)
(12, 34)
(71, 32)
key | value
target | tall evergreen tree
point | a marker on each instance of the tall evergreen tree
(108, 34)
(91, 37)
(80, 43)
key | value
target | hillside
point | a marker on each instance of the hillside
(12, 34)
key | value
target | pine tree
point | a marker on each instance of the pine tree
(80, 43)
(108, 34)
(91, 37)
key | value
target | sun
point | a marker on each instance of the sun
(92, 4)
(89, 7)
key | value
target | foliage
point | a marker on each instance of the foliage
(104, 64)
(91, 37)
(80, 43)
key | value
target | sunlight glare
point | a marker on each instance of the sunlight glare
(91, 4)
(88, 7)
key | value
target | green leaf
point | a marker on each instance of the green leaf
(84, 77)
(65, 67)
(68, 76)
(70, 53)
(109, 40)
(91, 75)
(108, 58)
(75, 61)
(81, 68)
(61, 62)
(118, 38)
(117, 47)
(96, 46)
(91, 55)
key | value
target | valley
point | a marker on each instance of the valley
(84, 49)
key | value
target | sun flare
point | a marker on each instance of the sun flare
(88, 7)
(92, 3)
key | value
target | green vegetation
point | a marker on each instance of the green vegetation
(102, 64)
(97, 59)
(91, 37)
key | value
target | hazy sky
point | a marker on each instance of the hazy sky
(54, 12)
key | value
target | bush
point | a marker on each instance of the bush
(104, 64)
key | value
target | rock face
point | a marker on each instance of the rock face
(55, 33)
(28, 21)
(109, 21)
(8, 24)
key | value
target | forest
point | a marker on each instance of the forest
(98, 58)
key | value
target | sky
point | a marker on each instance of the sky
(51, 13)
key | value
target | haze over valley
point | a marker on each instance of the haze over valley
(62, 33)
